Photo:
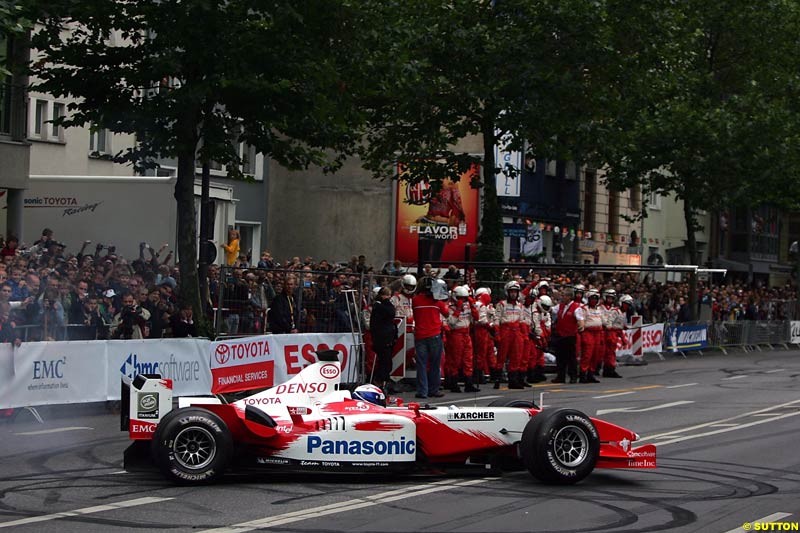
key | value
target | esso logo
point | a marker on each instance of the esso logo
(222, 353)
(329, 371)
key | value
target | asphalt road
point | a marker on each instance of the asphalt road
(726, 428)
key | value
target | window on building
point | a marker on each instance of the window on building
(589, 197)
(654, 201)
(59, 110)
(248, 159)
(613, 213)
(635, 199)
(552, 168)
(99, 141)
(39, 118)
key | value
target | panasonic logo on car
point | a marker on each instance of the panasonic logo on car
(361, 447)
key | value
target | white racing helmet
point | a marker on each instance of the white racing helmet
(409, 284)
(626, 299)
(593, 293)
(370, 394)
(609, 293)
(545, 303)
(579, 288)
(461, 292)
(512, 286)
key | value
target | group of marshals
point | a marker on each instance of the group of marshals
(476, 339)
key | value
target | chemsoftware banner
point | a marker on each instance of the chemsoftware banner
(795, 334)
(42, 373)
(184, 361)
(263, 361)
(686, 338)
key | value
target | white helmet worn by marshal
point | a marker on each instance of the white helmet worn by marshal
(579, 288)
(545, 303)
(609, 293)
(626, 299)
(593, 293)
(512, 286)
(409, 284)
(461, 292)
(483, 290)
(541, 284)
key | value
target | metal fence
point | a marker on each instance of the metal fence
(323, 301)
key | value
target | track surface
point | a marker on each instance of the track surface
(727, 428)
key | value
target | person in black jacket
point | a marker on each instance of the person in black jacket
(384, 333)
(283, 315)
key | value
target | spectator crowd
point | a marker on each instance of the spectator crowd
(50, 293)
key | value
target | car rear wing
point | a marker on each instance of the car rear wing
(144, 402)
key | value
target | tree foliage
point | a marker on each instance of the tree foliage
(510, 71)
(193, 79)
(707, 112)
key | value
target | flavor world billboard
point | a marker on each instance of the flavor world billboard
(436, 226)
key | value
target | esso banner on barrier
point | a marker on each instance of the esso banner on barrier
(265, 360)
(652, 337)
(184, 361)
(45, 373)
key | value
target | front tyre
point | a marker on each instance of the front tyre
(192, 446)
(560, 446)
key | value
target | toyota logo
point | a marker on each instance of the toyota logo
(222, 353)
(329, 371)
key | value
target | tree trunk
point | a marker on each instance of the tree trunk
(187, 234)
(691, 246)
(490, 240)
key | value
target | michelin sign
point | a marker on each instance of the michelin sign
(686, 338)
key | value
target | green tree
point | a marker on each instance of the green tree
(708, 112)
(193, 79)
(512, 72)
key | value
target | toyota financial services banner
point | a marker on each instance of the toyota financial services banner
(266, 360)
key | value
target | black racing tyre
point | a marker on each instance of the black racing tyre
(560, 446)
(512, 402)
(192, 446)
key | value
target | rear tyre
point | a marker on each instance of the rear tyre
(192, 446)
(510, 402)
(560, 446)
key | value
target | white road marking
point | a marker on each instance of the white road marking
(682, 385)
(723, 425)
(463, 400)
(350, 505)
(722, 421)
(642, 410)
(774, 517)
(765, 414)
(775, 371)
(613, 395)
(726, 430)
(84, 511)
(54, 430)
(735, 377)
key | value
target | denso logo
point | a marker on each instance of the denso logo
(49, 369)
(294, 388)
(329, 371)
(223, 353)
(361, 447)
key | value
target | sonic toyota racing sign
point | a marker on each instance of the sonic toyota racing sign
(436, 226)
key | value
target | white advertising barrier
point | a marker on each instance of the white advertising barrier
(795, 335)
(652, 335)
(265, 360)
(184, 361)
(43, 373)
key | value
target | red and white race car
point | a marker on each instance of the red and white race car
(310, 423)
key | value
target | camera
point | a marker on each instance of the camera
(308, 284)
(112, 249)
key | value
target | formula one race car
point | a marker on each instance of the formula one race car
(310, 423)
